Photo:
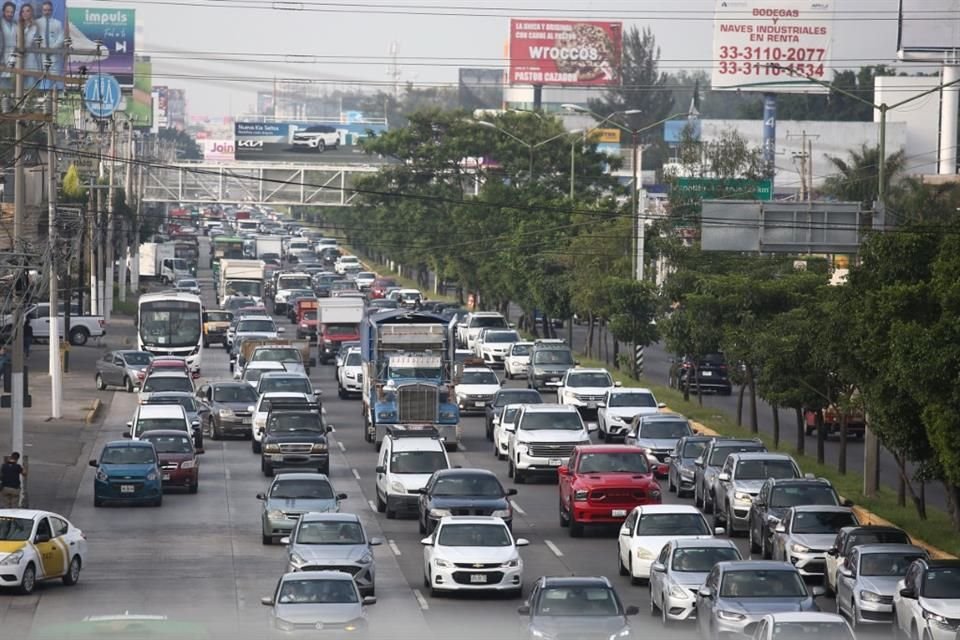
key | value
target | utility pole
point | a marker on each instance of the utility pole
(125, 257)
(56, 379)
(19, 204)
(109, 253)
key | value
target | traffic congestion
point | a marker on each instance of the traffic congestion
(415, 468)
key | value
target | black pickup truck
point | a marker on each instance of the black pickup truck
(295, 437)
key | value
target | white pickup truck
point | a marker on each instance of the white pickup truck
(82, 327)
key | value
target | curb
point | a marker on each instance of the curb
(93, 411)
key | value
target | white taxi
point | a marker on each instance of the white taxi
(38, 545)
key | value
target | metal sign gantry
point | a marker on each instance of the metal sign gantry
(261, 183)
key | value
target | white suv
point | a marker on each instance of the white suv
(517, 360)
(585, 389)
(350, 374)
(319, 137)
(468, 330)
(493, 345)
(545, 436)
(345, 263)
(407, 459)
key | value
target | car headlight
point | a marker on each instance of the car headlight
(580, 495)
(226, 413)
(870, 596)
(440, 562)
(260, 423)
(319, 447)
(536, 633)
(12, 559)
(188, 464)
(102, 476)
(521, 447)
(151, 476)
(644, 554)
(397, 487)
(584, 443)
(366, 559)
(679, 593)
(798, 548)
(732, 616)
(511, 564)
(615, 418)
(439, 513)
(296, 559)
(654, 494)
(502, 513)
(271, 448)
(742, 496)
(936, 618)
(623, 633)
(276, 514)
(687, 473)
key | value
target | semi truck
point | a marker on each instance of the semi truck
(338, 321)
(269, 245)
(408, 374)
(240, 278)
(158, 261)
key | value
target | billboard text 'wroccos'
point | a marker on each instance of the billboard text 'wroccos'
(565, 52)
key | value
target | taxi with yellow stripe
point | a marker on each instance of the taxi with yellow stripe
(38, 545)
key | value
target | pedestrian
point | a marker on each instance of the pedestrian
(10, 481)
(27, 338)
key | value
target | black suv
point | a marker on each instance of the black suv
(295, 437)
(504, 397)
(778, 495)
(712, 375)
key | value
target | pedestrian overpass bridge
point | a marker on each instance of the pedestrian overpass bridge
(268, 183)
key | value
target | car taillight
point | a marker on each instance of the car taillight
(140, 374)
(103, 323)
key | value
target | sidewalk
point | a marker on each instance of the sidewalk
(58, 449)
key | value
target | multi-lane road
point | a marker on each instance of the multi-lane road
(199, 558)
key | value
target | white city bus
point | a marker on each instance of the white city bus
(170, 323)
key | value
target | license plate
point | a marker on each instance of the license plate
(276, 457)
(706, 374)
(554, 379)
(248, 421)
(555, 462)
(478, 578)
(591, 405)
(126, 488)
(479, 404)
(166, 476)
(618, 513)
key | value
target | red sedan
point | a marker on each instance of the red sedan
(179, 464)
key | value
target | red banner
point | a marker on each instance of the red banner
(565, 52)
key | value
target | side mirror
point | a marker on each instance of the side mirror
(341, 496)
(847, 502)
(663, 405)
(41, 538)
(632, 610)
(845, 572)
(705, 592)
(591, 427)
(380, 469)
(267, 602)
(427, 542)
(522, 542)
(563, 470)
(93, 463)
(724, 477)
(719, 531)
(524, 610)
(576, 363)
(370, 600)
(285, 540)
(329, 428)
(281, 330)
(818, 591)
(908, 593)
(699, 461)
(511, 492)
(261, 496)
(422, 491)
(780, 529)
(659, 567)
(618, 384)
(127, 434)
(376, 542)
(833, 552)
(130, 425)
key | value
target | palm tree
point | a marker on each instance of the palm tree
(856, 178)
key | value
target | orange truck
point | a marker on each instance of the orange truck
(306, 314)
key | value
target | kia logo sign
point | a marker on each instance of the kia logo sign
(250, 144)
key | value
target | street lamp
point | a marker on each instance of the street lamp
(530, 146)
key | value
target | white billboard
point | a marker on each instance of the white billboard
(217, 150)
(772, 45)
(928, 26)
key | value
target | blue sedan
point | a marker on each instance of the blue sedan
(127, 472)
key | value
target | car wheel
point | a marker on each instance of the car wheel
(266, 469)
(507, 374)
(101, 385)
(391, 514)
(79, 336)
(29, 581)
(381, 505)
(158, 501)
(97, 502)
(206, 343)
(72, 576)
(321, 146)
(731, 533)
(620, 567)
(509, 467)
(654, 608)
(489, 431)
(422, 527)
(601, 435)
(128, 384)
(265, 539)
(254, 445)
(698, 498)
(633, 579)
(518, 477)
(194, 488)
(564, 516)
(764, 549)
(754, 547)
(671, 487)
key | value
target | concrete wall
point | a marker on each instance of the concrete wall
(922, 117)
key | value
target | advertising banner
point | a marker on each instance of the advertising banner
(772, 45)
(115, 28)
(140, 101)
(929, 26)
(45, 28)
(274, 141)
(160, 118)
(216, 150)
(565, 52)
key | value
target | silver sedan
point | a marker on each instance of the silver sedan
(868, 578)
(680, 571)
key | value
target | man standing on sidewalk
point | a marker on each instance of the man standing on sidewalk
(10, 481)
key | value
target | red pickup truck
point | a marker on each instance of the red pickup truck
(601, 484)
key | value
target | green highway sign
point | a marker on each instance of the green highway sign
(726, 188)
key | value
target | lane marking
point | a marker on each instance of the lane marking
(420, 600)
(518, 508)
(356, 474)
(393, 547)
(342, 448)
(373, 506)
(462, 447)
(226, 473)
(554, 548)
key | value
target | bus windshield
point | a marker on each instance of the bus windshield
(170, 323)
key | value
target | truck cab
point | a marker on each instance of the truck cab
(173, 269)
(338, 322)
(305, 317)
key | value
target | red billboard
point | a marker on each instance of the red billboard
(565, 52)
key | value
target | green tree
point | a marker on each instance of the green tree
(631, 309)
(856, 178)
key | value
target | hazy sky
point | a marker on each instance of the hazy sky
(351, 39)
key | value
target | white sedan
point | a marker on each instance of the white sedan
(472, 553)
(476, 388)
(649, 527)
(39, 545)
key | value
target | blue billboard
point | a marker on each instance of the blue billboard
(298, 141)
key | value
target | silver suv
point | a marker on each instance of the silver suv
(707, 467)
(806, 533)
(741, 479)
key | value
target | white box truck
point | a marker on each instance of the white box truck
(241, 278)
(158, 261)
(269, 245)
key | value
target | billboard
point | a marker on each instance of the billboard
(115, 28)
(140, 101)
(274, 142)
(176, 109)
(565, 52)
(772, 45)
(216, 150)
(45, 20)
(160, 118)
(930, 26)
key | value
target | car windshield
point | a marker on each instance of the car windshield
(318, 592)
(520, 350)
(560, 420)
(417, 461)
(15, 528)
(664, 429)
(273, 354)
(256, 326)
(187, 284)
(330, 533)
(887, 564)
(128, 455)
(761, 583)
(719, 454)
(694, 449)
(167, 383)
(309, 315)
(289, 385)
(888, 536)
(763, 469)
(672, 524)
(479, 377)
(517, 396)
(619, 462)
(366, 275)
(644, 400)
(501, 336)
(509, 415)
(415, 373)
(252, 375)
(290, 422)
(219, 316)
(809, 630)
(187, 402)
(238, 303)
(589, 380)
(340, 329)
(821, 521)
(819, 494)
(170, 444)
(302, 489)
(474, 535)
(942, 583)
(235, 393)
(495, 322)
(553, 356)
(156, 424)
(701, 559)
(474, 484)
(137, 358)
(353, 360)
(578, 602)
